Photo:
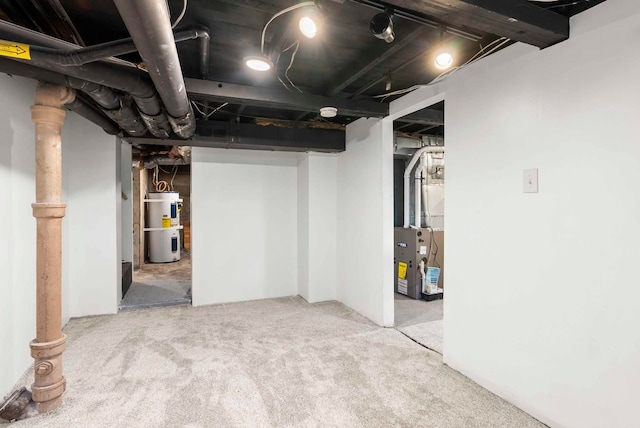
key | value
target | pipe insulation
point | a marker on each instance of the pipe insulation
(108, 101)
(84, 109)
(112, 73)
(149, 25)
(407, 178)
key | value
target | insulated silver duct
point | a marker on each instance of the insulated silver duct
(149, 25)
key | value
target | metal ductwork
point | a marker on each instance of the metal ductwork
(149, 25)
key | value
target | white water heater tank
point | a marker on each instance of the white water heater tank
(163, 217)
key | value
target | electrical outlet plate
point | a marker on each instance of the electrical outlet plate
(530, 181)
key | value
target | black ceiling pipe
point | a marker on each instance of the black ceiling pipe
(125, 79)
(102, 51)
(86, 110)
(125, 115)
(78, 105)
(112, 73)
(149, 25)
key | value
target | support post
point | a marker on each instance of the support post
(47, 347)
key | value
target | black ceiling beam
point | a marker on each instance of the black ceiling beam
(379, 79)
(348, 76)
(234, 135)
(424, 117)
(281, 99)
(420, 18)
(515, 19)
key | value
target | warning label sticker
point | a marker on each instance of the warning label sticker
(166, 222)
(402, 286)
(402, 270)
(14, 50)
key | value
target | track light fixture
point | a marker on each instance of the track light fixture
(309, 24)
(381, 26)
(444, 60)
(444, 55)
(258, 63)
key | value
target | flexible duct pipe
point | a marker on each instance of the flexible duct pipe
(149, 24)
(407, 178)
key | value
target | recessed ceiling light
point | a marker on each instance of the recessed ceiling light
(258, 63)
(328, 112)
(444, 60)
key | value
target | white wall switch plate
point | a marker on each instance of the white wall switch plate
(530, 181)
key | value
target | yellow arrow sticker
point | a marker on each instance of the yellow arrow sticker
(14, 50)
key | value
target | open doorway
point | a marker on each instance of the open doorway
(419, 165)
(161, 187)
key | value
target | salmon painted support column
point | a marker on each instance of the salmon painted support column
(47, 347)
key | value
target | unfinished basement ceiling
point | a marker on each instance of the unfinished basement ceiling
(344, 65)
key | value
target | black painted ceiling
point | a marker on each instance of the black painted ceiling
(337, 63)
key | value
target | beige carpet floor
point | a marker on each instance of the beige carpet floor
(270, 363)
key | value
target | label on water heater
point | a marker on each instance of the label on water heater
(166, 222)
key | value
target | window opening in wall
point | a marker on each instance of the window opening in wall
(419, 165)
(161, 228)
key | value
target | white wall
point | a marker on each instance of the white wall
(17, 229)
(84, 277)
(244, 225)
(542, 289)
(317, 227)
(90, 250)
(365, 220)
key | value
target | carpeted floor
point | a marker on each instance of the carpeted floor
(269, 363)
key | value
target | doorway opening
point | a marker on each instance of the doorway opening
(418, 168)
(161, 267)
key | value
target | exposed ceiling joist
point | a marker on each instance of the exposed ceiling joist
(515, 19)
(281, 99)
(424, 117)
(231, 135)
(348, 76)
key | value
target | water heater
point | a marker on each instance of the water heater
(163, 221)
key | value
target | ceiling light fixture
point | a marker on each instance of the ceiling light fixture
(258, 63)
(444, 56)
(308, 27)
(310, 22)
(444, 60)
(381, 26)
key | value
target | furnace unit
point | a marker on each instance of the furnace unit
(412, 246)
